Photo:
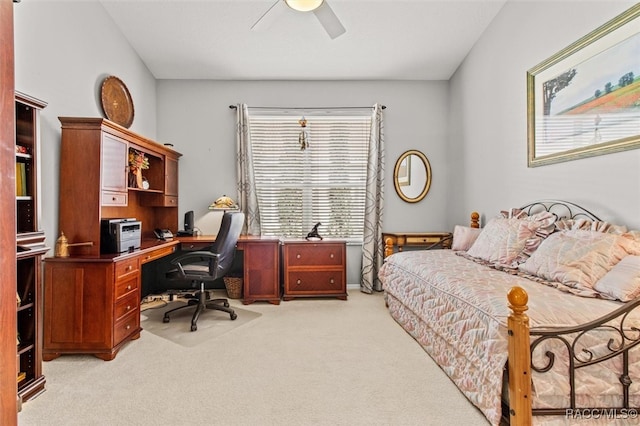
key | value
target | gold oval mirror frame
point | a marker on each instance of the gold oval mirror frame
(412, 176)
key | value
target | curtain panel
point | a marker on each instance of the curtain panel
(372, 247)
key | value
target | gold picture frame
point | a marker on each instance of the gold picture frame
(585, 100)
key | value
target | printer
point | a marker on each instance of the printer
(119, 235)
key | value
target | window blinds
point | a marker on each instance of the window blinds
(323, 183)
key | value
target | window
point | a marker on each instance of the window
(323, 183)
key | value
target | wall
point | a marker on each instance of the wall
(195, 117)
(63, 51)
(489, 126)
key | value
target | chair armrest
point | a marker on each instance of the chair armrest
(196, 256)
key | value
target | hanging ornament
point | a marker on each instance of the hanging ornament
(303, 137)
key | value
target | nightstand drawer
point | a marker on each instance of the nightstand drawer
(311, 254)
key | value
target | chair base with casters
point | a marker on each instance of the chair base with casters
(201, 300)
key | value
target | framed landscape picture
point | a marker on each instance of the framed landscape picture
(585, 100)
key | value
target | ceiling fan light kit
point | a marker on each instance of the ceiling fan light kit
(320, 9)
(304, 5)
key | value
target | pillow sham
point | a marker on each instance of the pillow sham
(511, 239)
(502, 240)
(578, 258)
(588, 225)
(464, 237)
(622, 282)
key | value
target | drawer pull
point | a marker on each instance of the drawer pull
(128, 307)
(147, 258)
(299, 282)
(191, 246)
(129, 268)
(298, 256)
(128, 327)
(113, 198)
(331, 255)
(172, 201)
(129, 287)
(331, 281)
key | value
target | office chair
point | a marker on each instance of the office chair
(201, 267)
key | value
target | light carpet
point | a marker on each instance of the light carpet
(303, 362)
(211, 323)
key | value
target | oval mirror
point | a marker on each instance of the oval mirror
(412, 176)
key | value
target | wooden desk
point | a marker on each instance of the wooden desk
(261, 266)
(425, 240)
(92, 303)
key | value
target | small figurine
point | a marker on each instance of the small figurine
(313, 235)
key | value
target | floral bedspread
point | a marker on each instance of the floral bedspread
(457, 310)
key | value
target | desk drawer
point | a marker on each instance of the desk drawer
(129, 324)
(114, 198)
(196, 246)
(127, 286)
(126, 305)
(157, 254)
(126, 267)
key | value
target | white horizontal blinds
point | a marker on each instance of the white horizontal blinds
(323, 183)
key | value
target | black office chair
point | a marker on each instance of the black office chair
(201, 267)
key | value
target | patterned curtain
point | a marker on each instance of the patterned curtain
(372, 248)
(247, 198)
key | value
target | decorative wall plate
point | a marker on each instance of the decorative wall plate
(116, 101)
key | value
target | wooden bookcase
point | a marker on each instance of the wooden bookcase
(30, 247)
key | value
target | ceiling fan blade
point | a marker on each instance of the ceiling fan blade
(329, 20)
(270, 16)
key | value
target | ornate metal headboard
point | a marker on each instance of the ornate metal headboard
(561, 209)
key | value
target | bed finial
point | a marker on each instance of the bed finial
(475, 220)
(519, 358)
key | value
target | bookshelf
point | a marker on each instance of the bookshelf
(30, 248)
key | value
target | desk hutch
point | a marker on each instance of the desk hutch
(91, 300)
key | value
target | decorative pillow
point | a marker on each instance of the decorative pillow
(578, 258)
(464, 237)
(588, 225)
(510, 240)
(622, 282)
(502, 240)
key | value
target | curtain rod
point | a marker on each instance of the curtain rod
(309, 108)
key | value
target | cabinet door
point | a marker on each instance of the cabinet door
(171, 177)
(114, 164)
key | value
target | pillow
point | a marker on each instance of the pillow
(622, 282)
(578, 258)
(464, 237)
(510, 240)
(502, 240)
(588, 225)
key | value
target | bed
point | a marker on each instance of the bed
(534, 317)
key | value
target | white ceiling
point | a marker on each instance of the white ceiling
(385, 39)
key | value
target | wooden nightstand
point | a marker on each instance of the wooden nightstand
(425, 240)
(314, 269)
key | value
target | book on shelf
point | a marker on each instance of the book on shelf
(21, 179)
(21, 376)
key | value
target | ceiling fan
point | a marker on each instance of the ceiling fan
(320, 8)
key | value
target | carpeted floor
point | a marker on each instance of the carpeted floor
(303, 362)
